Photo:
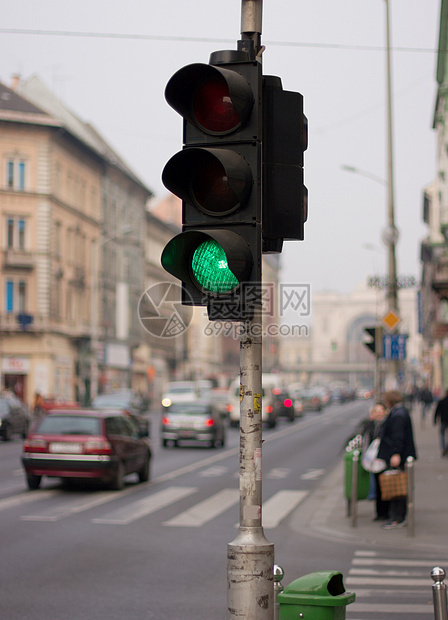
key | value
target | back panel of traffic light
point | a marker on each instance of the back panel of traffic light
(285, 139)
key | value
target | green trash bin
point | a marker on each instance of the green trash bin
(317, 596)
(363, 482)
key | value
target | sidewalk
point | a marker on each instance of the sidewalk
(324, 513)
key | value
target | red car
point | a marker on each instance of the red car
(83, 443)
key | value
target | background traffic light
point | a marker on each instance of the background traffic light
(218, 177)
(375, 342)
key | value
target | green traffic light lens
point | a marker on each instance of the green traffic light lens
(211, 269)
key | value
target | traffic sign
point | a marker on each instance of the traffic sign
(390, 320)
(394, 346)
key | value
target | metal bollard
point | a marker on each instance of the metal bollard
(279, 573)
(354, 498)
(410, 500)
(439, 594)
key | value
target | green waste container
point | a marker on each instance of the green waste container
(317, 596)
(363, 482)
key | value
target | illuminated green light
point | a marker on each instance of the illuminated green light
(211, 269)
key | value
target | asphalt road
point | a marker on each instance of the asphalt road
(159, 550)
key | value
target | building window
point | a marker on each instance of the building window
(57, 239)
(16, 296)
(16, 173)
(21, 295)
(9, 295)
(16, 233)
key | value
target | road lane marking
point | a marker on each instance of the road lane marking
(389, 581)
(390, 609)
(71, 506)
(278, 473)
(312, 474)
(205, 511)
(277, 507)
(146, 506)
(213, 472)
(25, 498)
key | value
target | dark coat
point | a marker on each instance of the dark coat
(397, 436)
(442, 412)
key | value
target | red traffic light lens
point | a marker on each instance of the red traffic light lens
(213, 108)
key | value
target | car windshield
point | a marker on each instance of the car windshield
(189, 409)
(69, 425)
(185, 389)
(111, 400)
(308, 393)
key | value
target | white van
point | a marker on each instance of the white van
(268, 415)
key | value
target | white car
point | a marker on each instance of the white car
(180, 392)
(269, 413)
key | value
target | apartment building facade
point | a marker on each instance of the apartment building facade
(72, 225)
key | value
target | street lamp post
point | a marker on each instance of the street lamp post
(94, 304)
(391, 236)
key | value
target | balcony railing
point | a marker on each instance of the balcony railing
(18, 259)
(440, 278)
(13, 322)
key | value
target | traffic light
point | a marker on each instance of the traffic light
(217, 256)
(375, 344)
(285, 138)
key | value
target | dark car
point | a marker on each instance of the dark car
(14, 418)
(283, 404)
(121, 399)
(86, 444)
(199, 422)
(311, 400)
(126, 401)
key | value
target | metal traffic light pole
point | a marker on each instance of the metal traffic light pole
(250, 557)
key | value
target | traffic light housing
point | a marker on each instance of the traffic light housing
(285, 138)
(217, 256)
(375, 342)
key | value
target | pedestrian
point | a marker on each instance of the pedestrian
(442, 413)
(38, 405)
(427, 399)
(377, 416)
(397, 444)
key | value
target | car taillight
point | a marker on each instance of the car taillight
(269, 409)
(288, 402)
(101, 446)
(34, 445)
(229, 408)
(276, 391)
(165, 421)
(209, 422)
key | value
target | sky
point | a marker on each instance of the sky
(334, 53)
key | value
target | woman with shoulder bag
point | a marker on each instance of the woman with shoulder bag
(397, 443)
(370, 460)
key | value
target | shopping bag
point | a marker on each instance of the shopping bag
(369, 459)
(393, 484)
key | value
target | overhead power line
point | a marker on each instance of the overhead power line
(153, 37)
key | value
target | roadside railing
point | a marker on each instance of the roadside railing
(439, 594)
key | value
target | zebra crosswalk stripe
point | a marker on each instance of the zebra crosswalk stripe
(148, 505)
(205, 511)
(277, 507)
